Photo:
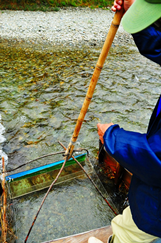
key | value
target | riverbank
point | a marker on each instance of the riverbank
(67, 27)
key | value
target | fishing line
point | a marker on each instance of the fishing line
(41, 157)
(44, 156)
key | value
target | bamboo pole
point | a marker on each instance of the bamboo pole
(109, 39)
(106, 47)
(4, 222)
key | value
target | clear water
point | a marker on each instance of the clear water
(71, 208)
(42, 91)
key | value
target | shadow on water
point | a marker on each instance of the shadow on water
(42, 91)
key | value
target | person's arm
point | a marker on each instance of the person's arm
(132, 151)
(148, 42)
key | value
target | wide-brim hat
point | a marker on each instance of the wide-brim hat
(141, 14)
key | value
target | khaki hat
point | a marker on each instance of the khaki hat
(141, 14)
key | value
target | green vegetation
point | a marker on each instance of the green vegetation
(51, 5)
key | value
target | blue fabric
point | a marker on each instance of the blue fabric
(133, 152)
(148, 42)
(154, 130)
(157, 240)
(141, 153)
(159, 108)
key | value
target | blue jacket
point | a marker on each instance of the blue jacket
(141, 153)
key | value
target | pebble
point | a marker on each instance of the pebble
(68, 27)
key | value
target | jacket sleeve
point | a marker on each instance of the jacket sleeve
(132, 151)
(148, 42)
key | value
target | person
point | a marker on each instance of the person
(139, 153)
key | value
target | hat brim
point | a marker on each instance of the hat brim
(140, 15)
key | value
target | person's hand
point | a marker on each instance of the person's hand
(118, 4)
(102, 129)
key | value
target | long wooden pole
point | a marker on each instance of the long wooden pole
(109, 39)
(4, 222)
(106, 47)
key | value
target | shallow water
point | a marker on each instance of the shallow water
(70, 208)
(42, 91)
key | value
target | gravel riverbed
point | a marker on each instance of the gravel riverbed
(68, 27)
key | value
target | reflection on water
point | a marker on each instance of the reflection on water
(42, 91)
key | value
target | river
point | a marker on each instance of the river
(42, 91)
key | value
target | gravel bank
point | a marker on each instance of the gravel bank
(68, 27)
